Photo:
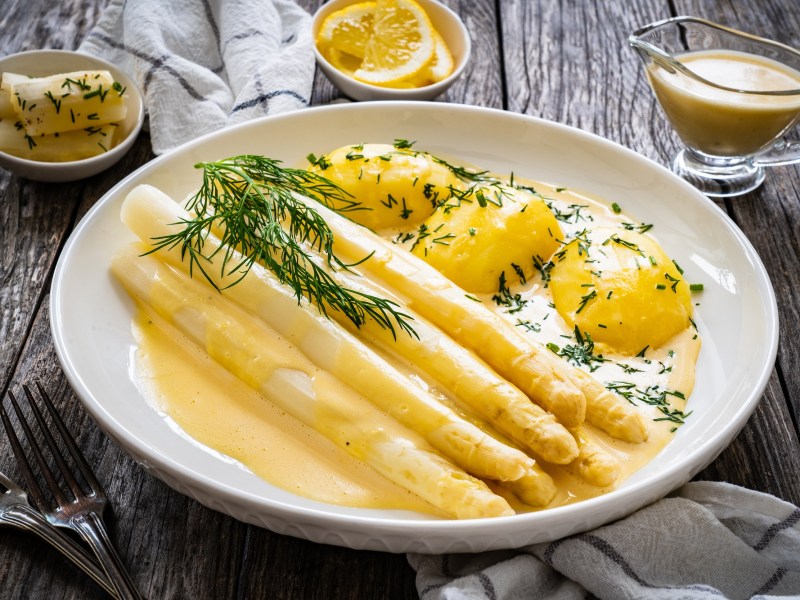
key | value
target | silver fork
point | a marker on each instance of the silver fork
(16, 512)
(82, 513)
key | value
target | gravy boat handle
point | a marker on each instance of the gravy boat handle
(783, 152)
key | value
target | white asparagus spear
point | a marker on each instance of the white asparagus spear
(150, 213)
(7, 100)
(55, 147)
(522, 362)
(68, 101)
(594, 465)
(269, 363)
(610, 413)
(566, 391)
(469, 379)
(535, 488)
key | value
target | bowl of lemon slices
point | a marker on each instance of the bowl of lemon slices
(390, 49)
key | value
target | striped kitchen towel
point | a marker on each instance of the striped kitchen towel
(206, 64)
(706, 541)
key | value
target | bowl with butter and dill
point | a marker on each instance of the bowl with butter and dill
(65, 115)
(390, 49)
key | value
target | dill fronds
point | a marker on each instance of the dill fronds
(249, 201)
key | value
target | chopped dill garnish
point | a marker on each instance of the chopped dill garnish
(56, 101)
(653, 395)
(529, 326)
(641, 227)
(585, 300)
(321, 162)
(544, 269)
(504, 296)
(571, 214)
(581, 353)
(673, 281)
(624, 243)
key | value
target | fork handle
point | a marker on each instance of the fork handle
(91, 527)
(28, 519)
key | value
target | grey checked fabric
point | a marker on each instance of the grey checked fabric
(206, 64)
(706, 541)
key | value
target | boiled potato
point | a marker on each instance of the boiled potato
(395, 188)
(491, 229)
(621, 288)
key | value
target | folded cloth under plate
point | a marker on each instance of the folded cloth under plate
(707, 540)
(206, 64)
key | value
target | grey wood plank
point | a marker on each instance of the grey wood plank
(569, 62)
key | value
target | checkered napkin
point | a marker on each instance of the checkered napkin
(206, 64)
(706, 541)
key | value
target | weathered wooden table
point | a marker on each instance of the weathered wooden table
(564, 60)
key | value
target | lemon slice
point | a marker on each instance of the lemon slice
(439, 68)
(348, 30)
(442, 63)
(344, 62)
(401, 45)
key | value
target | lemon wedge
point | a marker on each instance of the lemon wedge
(439, 68)
(442, 63)
(401, 45)
(343, 61)
(348, 30)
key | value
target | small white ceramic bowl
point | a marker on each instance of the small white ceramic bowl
(447, 23)
(40, 63)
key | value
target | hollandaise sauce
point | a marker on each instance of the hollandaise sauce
(748, 102)
(577, 275)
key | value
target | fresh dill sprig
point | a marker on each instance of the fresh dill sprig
(462, 173)
(250, 202)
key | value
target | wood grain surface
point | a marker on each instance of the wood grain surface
(564, 60)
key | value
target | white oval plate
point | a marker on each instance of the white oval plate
(737, 317)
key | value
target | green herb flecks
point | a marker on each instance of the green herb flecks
(581, 353)
(56, 101)
(641, 227)
(573, 213)
(653, 395)
(505, 297)
(401, 144)
(529, 326)
(321, 162)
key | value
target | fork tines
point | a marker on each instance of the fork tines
(65, 471)
(83, 512)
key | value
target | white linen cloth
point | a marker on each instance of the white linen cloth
(206, 64)
(705, 541)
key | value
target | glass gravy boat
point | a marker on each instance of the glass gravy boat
(730, 97)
